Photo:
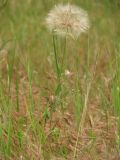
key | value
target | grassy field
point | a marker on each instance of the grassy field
(41, 120)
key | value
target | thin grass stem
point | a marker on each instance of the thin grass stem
(64, 53)
(81, 124)
(56, 59)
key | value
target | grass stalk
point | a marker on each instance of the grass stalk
(64, 53)
(56, 58)
(17, 91)
(116, 98)
(81, 124)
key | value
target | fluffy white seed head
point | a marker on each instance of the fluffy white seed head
(67, 20)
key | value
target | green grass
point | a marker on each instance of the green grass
(45, 114)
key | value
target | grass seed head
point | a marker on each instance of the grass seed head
(67, 20)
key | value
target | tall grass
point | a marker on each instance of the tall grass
(28, 81)
(116, 95)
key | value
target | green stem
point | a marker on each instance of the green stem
(56, 60)
(64, 54)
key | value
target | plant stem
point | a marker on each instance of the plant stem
(81, 124)
(56, 60)
(64, 53)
